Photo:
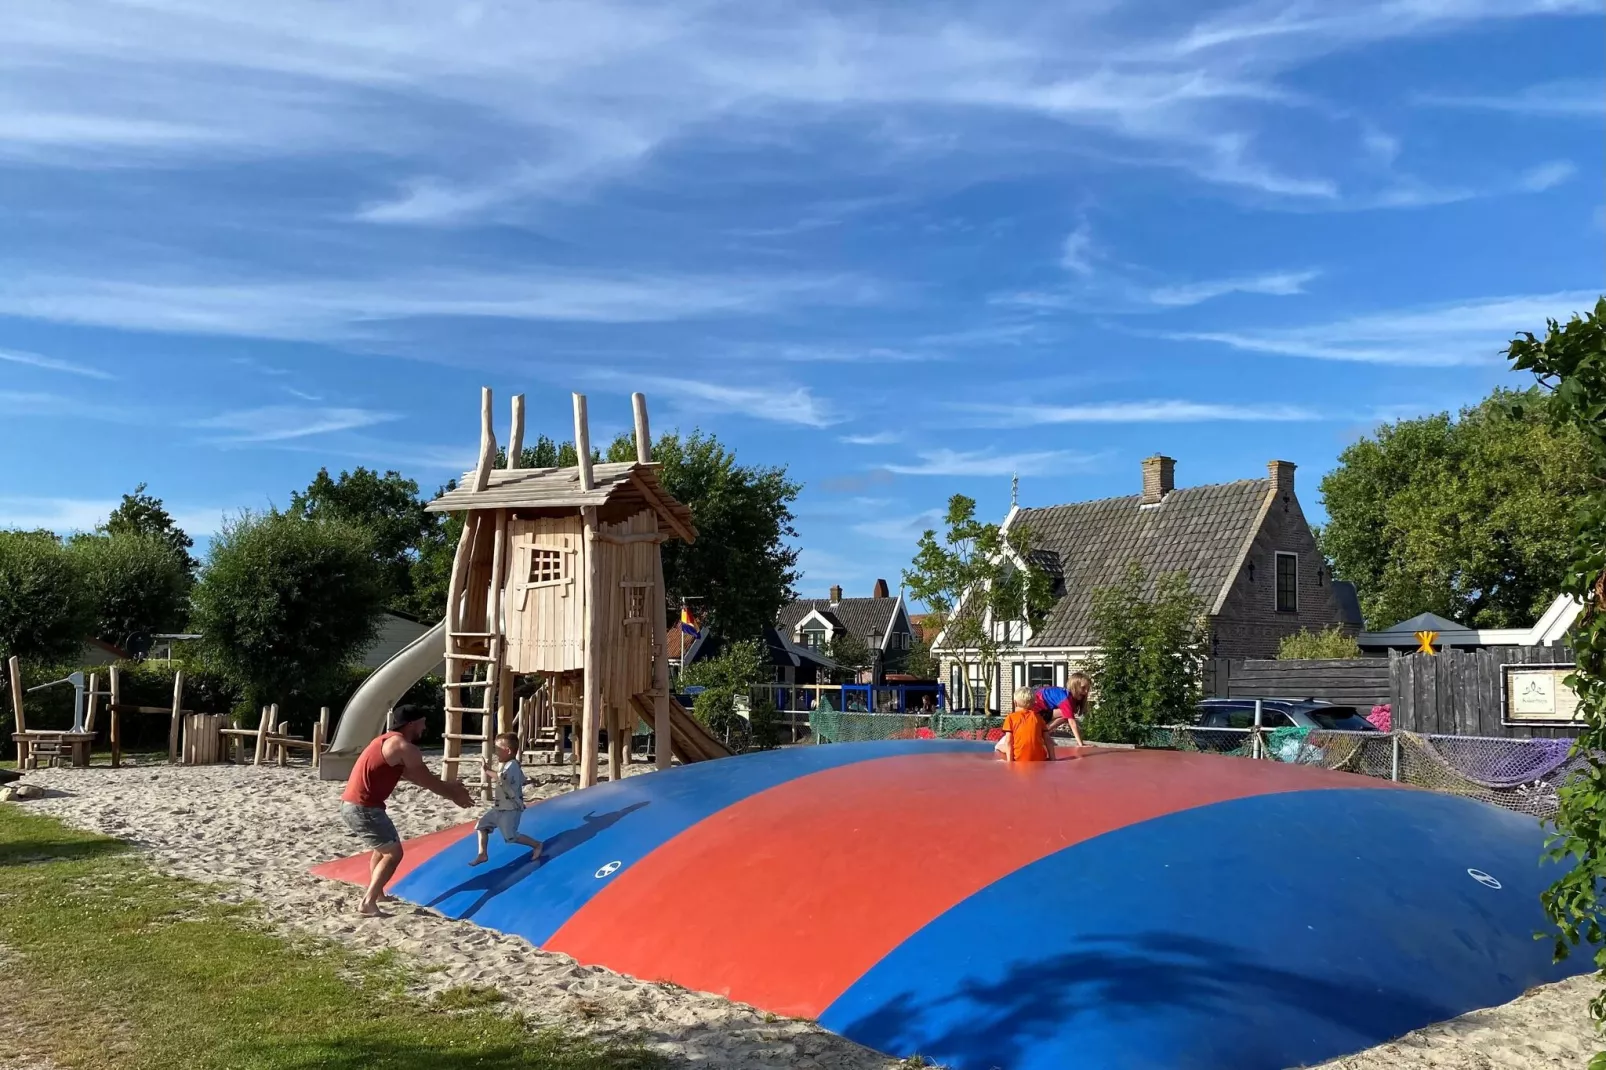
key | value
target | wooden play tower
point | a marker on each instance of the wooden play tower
(558, 577)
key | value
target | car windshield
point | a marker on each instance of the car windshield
(1340, 719)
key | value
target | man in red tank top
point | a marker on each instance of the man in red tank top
(389, 759)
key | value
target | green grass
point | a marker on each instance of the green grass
(113, 965)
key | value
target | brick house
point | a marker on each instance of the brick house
(881, 621)
(1249, 553)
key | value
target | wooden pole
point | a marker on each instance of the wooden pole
(115, 728)
(264, 726)
(660, 663)
(494, 669)
(591, 703)
(320, 736)
(174, 724)
(94, 703)
(582, 449)
(482, 470)
(616, 743)
(506, 707)
(643, 436)
(515, 438)
(14, 675)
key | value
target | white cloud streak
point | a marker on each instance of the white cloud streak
(1139, 412)
(948, 462)
(67, 515)
(1547, 176)
(53, 364)
(1467, 333)
(1563, 98)
(279, 423)
(1278, 284)
(795, 405)
(879, 438)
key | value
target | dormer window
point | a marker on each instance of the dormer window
(814, 638)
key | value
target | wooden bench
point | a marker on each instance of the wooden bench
(52, 746)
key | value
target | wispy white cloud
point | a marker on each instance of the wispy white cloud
(879, 438)
(1138, 412)
(1076, 252)
(900, 529)
(67, 515)
(1547, 176)
(279, 423)
(1277, 284)
(53, 364)
(773, 403)
(1471, 332)
(1575, 97)
(948, 462)
(336, 310)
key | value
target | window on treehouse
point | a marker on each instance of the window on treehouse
(636, 601)
(546, 567)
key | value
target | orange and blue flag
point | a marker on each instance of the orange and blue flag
(688, 623)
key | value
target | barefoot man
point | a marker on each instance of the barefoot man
(392, 757)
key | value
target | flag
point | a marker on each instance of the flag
(688, 623)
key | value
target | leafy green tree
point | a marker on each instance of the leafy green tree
(140, 513)
(134, 583)
(740, 567)
(851, 654)
(980, 582)
(919, 660)
(731, 677)
(1470, 517)
(1152, 642)
(389, 509)
(285, 603)
(1570, 365)
(1329, 643)
(44, 611)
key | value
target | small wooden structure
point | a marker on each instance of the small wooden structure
(558, 575)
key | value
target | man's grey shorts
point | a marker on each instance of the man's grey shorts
(370, 824)
(504, 821)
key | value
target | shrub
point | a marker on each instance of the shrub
(1318, 646)
(1151, 640)
(44, 613)
(286, 604)
(134, 583)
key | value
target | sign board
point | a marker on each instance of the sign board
(1536, 694)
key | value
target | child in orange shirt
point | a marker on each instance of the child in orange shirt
(1025, 735)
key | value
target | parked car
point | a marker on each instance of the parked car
(1239, 714)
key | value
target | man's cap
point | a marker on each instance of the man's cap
(405, 715)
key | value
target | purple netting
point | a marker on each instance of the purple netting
(1502, 763)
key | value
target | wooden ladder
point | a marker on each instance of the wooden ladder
(470, 703)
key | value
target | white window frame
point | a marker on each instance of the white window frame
(1277, 581)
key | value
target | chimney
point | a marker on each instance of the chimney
(1282, 476)
(880, 590)
(1159, 478)
(836, 593)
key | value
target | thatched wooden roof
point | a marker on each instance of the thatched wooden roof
(618, 491)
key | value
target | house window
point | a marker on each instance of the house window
(814, 638)
(635, 601)
(1287, 583)
(546, 567)
(1040, 674)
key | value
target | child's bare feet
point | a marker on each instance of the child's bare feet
(371, 910)
(535, 852)
(478, 860)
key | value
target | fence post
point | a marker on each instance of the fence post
(1255, 749)
(1394, 757)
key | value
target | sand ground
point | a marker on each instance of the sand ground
(256, 830)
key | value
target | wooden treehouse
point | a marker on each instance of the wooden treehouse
(558, 578)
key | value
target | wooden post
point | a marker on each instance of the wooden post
(616, 743)
(14, 675)
(582, 449)
(660, 663)
(591, 703)
(515, 438)
(643, 436)
(173, 725)
(320, 736)
(490, 704)
(264, 726)
(482, 470)
(506, 706)
(94, 703)
(115, 702)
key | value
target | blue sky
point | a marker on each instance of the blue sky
(905, 251)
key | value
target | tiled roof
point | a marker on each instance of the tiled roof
(866, 618)
(1199, 530)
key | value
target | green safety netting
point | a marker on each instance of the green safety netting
(827, 725)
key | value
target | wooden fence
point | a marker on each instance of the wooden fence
(1454, 692)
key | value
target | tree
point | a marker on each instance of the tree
(1570, 365)
(388, 508)
(725, 679)
(140, 513)
(740, 568)
(286, 602)
(980, 582)
(851, 654)
(918, 660)
(1152, 642)
(44, 614)
(1329, 643)
(1469, 517)
(135, 583)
